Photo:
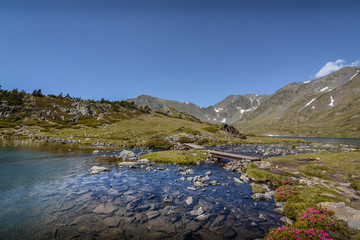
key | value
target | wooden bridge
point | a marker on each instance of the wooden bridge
(221, 155)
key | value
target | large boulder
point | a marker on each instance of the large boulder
(350, 215)
(231, 130)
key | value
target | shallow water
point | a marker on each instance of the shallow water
(45, 195)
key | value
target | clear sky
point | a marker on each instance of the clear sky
(184, 50)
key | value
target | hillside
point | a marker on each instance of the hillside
(326, 106)
(101, 123)
(229, 110)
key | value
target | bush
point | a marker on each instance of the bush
(158, 143)
(185, 140)
(284, 192)
(315, 223)
(289, 233)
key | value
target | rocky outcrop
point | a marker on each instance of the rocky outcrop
(350, 215)
(232, 131)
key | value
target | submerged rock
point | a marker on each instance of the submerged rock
(189, 200)
(202, 217)
(197, 212)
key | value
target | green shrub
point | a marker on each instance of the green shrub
(158, 143)
(185, 140)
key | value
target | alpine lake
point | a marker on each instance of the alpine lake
(47, 192)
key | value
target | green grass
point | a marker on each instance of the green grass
(257, 188)
(176, 156)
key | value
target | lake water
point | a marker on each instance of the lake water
(345, 141)
(52, 195)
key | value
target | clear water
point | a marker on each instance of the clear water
(45, 195)
(346, 141)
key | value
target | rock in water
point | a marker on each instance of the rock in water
(189, 200)
(237, 180)
(167, 199)
(196, 212)
(208, 173)
(202, 217)
(126, 154)
(97, 169)
(143, 161)
(262, 217)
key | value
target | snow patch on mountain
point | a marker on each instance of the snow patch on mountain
(331, 101)
(355, 75)
(312, 100)
(224, 120)
(324, 89)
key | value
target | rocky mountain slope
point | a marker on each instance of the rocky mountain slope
(229, 110)
(326, 106)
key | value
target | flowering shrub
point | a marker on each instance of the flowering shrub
(284, 192)
(288, 233)
(287, 182)
(315, 224)
(318, 218)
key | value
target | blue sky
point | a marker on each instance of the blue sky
(184, 50)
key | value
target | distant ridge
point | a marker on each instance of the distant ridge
(325, 106)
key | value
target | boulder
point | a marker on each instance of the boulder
(126, 154)
(97, 169)
(350, 215)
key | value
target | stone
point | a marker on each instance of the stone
(213, 183)
(244, 178)
(126, 154)
(208, 173)
(96, 151)
(202, 217)
(262, 217)
(182, 179)
(111, 221)
(97, 169)
(189, 200)
(167, 200)
(190, 171)
(237, 180)
(197, 212)
(261, 196)
(126, 164)
(279, 210)
(350, 215)
(152, 214)
(143, 161)
(104, 208)
(191, 188)
(253, 224)
(286, 220)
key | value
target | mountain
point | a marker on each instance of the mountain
(229, 110)
(325, 106)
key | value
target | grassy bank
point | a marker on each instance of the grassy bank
(176, 156)
(334, 177)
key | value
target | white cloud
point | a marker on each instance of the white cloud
(330, 67)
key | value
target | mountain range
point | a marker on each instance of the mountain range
(325, 106)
